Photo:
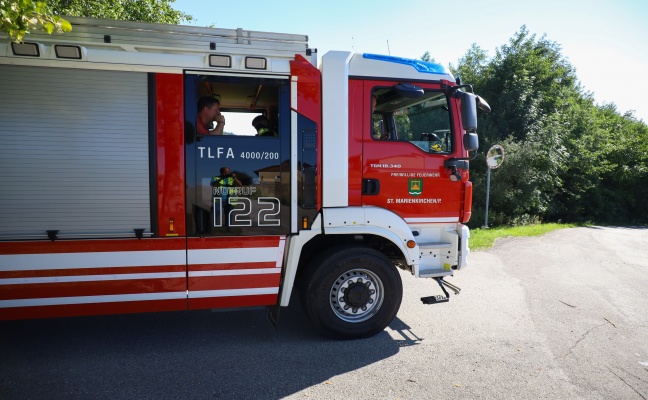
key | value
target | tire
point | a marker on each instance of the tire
(351, 292)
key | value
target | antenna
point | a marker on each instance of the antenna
(388, 51)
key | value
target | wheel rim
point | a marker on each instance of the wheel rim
(357, 295)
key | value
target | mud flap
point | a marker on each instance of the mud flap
(273, 317)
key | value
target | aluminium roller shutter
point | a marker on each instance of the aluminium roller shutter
(74, 150)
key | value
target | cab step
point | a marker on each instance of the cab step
(434, 299)
(439, 298)
(434, 273)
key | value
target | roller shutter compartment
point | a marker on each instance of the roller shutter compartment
(74, 153)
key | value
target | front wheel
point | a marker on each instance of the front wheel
(351, 292)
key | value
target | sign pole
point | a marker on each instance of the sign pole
(487, 196)
(494, 159)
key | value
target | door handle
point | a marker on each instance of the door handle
(370, 187)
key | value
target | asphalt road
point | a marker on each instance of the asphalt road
(562, 316)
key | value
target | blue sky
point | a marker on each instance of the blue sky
(606, 41)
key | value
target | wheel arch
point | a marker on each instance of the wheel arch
(372, 227)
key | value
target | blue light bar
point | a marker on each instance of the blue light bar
(420, 66)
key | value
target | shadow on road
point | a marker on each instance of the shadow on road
(197, 354)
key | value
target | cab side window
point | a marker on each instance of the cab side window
(424, 121)
(243, 107)
(379, 128)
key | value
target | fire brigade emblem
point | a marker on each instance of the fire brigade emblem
(415, 187)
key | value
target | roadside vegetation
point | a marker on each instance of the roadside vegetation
(568, 159)
(483, 239)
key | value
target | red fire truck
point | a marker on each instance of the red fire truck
(112, 202)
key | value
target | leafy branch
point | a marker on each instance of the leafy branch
(20, 17)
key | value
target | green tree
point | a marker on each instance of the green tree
(527, 84)
(20, 17)
(568, 159)
(158, 11)
(608, 170)
(473, 67)
(427, 57)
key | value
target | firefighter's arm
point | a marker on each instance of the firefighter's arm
(236, 180)
(220, 125)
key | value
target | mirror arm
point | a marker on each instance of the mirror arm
(453, 89)
(470, 158)
(481, 103)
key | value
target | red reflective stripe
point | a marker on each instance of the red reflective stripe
(233, 302)
(233, 242)
(92, 309)
(91, 288)
(92, 271)
(233, 282)
(232, 266)
(88, 246)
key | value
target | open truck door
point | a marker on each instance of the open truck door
(238, 192)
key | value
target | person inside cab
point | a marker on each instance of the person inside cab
(262, 125)
(208, 112)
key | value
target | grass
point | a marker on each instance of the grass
(482, 239)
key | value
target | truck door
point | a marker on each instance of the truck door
(253, 198)
(407, 135)
(238, 191)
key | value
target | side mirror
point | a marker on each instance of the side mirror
(483, 105)
(471, 141)
(468, 111)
